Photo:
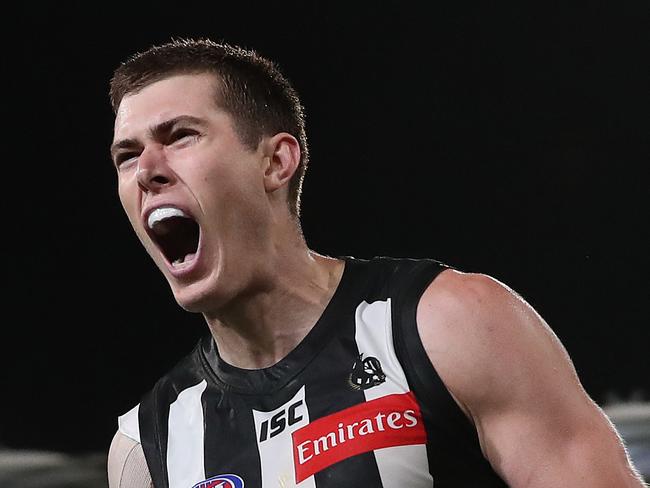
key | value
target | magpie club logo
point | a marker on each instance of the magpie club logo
(222, 481)
(366, 373)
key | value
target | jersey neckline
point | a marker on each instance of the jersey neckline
(275, 377)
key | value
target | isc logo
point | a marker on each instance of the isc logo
(273, 434)
(282, 419)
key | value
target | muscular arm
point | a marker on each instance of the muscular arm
(127, 467)
(514, 380)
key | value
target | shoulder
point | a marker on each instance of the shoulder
(127, 466)
(458, 293)
(483, 338)
(471, 305)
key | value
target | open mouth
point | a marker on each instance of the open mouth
(175, 233)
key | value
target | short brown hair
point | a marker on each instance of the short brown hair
(252, 90)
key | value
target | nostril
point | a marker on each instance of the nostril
(161, 180)
(149, 179)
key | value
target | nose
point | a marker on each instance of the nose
(153, 172)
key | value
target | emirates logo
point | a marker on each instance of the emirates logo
(388, 421)
(366, 373)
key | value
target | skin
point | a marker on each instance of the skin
(254, 265)
(261, 289)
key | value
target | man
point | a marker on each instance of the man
(320, 372)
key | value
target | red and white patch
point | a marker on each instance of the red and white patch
(392, 420)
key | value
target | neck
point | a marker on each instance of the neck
(259, 330)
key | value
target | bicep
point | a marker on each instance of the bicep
(512, 376)
(127, 466)
(561, 447)
(552, 434)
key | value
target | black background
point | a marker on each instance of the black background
(511, 140)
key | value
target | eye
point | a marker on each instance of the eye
(124, 157)
(181, 134)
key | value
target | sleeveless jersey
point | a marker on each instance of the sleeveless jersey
(356, 404)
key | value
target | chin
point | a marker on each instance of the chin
(197, 299)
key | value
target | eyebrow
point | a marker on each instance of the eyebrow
(156, 130)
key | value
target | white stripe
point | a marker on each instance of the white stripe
(401, 465)
(276, 453)
(129, 425)
(374, 336)
(185, 463)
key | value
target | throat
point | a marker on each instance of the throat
(257, 349)
(263, 329)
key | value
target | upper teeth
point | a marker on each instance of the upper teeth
(163, 213)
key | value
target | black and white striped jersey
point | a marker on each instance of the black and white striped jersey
(356, 403)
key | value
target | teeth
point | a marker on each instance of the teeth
(163, 213)
(183, 259)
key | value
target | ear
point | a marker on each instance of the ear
(282, 156)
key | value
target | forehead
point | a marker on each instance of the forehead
(187, 94)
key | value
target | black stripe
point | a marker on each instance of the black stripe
(230, 440)
(154, 414)
(331, 393)
(153, 434)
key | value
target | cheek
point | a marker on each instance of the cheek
(233, 184)
(129, 202)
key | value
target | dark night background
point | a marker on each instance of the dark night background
(511, 140)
